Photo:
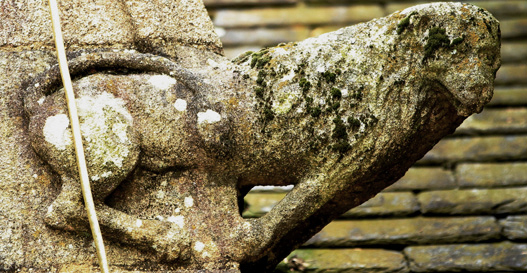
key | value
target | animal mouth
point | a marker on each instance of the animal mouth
(466, 101)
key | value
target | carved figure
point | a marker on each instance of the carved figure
(341, 116)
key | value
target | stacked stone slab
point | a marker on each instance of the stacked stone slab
(463, 207)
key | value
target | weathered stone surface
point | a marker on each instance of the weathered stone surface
(109, 23)
(512, 74)
(478, 149)
(345, 260)
(488, 175)
(514, 227)
(406, 231)
(496, 257)
(493, 121)
(264, 36)
(509, 96)
(386, 204)
(296, 15)
(480, 201)
(341, 116)
(423, 179)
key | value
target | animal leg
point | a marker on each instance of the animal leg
(65, 212)
(170, 241)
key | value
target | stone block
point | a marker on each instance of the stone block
(420, 230)
(504, 256)
(514, 52)
(324, 29)
(500, 9)
(220, 3)
(261, 203)
(424, 178)
(264, 36)
(514, 227)
(233, 52)
(344, 260)
(477, 149)
(503, 9)
(296, 15)
(512, 74)
(487, 175)
(386, 204)
(513, 28)
(509, 96)
(496, 121)
(482, 201)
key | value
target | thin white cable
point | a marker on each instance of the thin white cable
(77, 137)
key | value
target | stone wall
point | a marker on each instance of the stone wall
(463, 207)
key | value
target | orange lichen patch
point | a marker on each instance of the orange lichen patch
(283, 84)
(44, 179)
(464, 9)
(36, 234)
(233, 102)
(472, 37)
(76, 268)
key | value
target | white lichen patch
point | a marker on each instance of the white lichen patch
(138, 223)
(199, 246)
(279, 51)
(284, 103)
(212, 63)
(56, 131)
(288, 77)
(344, 93)
(105, 124)
(208, 116)
(178, 220)
(180, 105)
(41, 100)
(160, 194)
(189, 202)
(162, 82)
(119, 129)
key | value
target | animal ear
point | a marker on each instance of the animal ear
(50, 81)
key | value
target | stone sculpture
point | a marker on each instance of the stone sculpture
(176, 134)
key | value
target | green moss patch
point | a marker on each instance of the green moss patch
(336, 93)
(457, 41)
(260, 59)
(437, 38)
(329, 76)
(403, 24)
(304, 84)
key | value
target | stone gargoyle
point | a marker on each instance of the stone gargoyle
(176, 134)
